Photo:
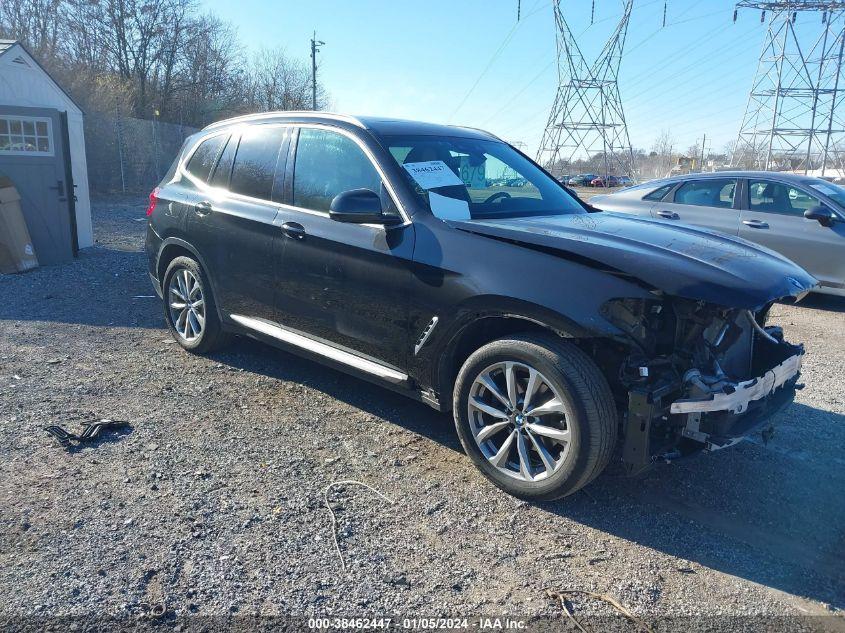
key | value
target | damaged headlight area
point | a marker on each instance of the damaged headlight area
(696, 376)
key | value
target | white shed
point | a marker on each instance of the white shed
(42, 149)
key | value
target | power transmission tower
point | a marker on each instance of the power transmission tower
(792, 119)
(587, 117)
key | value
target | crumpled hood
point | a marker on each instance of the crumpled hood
(680, 260)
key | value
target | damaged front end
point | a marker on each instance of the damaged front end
(696, 376)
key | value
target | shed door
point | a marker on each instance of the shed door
(32, 154)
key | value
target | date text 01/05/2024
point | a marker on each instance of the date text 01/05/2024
(429, 624)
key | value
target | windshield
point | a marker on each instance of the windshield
(463, 178)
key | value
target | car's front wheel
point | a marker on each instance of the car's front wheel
(189, 307)
(536, 416)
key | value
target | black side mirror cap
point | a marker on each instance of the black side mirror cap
(821, 214)
(359, 206)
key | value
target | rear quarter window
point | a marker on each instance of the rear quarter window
(205, 156)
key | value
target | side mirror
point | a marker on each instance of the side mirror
(821, 214)
(358, 206)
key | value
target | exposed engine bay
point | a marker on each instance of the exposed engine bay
(696, 377)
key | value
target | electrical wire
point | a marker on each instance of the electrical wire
(494, 57)
(520, 92)
(532, 118)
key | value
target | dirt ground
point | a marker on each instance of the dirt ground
(211, 503)
(585, 193)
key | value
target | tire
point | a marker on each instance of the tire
(566, 376)
(201, 313)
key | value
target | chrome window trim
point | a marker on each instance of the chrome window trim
(323, 349)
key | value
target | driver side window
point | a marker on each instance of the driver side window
(327, 164)
(486, 176)
(767, 196)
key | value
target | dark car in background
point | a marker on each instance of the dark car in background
(443, 263)
(582, 180)
(798, 216)
(605, 181)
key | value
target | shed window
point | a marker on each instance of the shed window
(26, 135)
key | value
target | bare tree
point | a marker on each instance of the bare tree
(278, 82)
(155, 58)
(664, 149)
(37, 22)
(212, 80)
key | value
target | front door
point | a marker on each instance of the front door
(33, 156)
(774, 217)
(708, 202)
(343, 283)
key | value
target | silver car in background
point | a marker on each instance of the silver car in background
(801, 217)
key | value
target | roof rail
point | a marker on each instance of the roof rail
(306, 114)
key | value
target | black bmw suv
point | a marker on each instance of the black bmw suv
(443, 263)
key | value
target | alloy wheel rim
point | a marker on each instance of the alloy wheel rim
(519, 421)
(187, 305)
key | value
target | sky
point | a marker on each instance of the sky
(469, 62)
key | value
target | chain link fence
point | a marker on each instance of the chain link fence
(130, 155)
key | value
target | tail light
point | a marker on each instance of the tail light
(153, 201)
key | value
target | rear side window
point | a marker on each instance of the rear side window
(658, 194)
(255, 161)
(204, 157)
(707, 193)
(220, 177)
(328, 163)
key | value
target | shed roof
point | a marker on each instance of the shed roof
(8, 45)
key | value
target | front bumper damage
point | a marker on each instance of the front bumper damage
(684, 409)
(737, 398)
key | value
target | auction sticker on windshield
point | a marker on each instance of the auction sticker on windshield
(433, 174)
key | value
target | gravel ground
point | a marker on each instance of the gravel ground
(211, 504)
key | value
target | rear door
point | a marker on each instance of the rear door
(232, 220)
(708, 202)
(774, 217)
(343, 283)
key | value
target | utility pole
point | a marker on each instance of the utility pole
(315, 47)
(703, 145)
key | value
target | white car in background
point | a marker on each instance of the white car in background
(801, 217)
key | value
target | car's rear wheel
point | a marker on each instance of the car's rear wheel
(536, 416)
(189, 307)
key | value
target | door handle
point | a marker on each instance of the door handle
(60, 188)
(669, 215)
(756, 224)
(294, 230)
(202, 208)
